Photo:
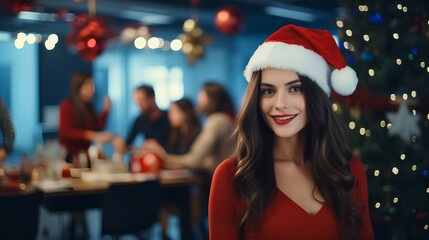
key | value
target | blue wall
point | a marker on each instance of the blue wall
(40, 78)
(22, 67)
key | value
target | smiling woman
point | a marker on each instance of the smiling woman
(292, 168)
(282, 102)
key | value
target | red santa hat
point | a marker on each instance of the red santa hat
(309, 52)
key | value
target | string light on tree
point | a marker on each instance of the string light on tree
(376, 173)
(363, 8)
(368, 133)
(396, 36)
(398, 61)
(349, 32)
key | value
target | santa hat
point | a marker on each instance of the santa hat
(309, 52)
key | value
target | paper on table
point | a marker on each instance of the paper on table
(116, 177)
(48, 185)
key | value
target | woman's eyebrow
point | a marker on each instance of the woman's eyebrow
(287, 84)
(292, 82)
(266, 85)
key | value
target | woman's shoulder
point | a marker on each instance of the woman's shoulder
(219, 116)
(219, 121)
(66, 101)
(226, 168)
(356, 167)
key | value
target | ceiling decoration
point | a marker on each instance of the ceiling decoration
(261, 15)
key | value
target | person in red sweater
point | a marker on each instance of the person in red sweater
(293, 175)
(79, 124)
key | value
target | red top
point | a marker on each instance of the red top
(283, 219)
(70, 135)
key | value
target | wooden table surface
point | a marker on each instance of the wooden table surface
(78, 186)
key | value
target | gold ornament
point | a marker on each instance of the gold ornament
(193, 40)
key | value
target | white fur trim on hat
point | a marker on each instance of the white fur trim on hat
(291, 57)
(344, 81)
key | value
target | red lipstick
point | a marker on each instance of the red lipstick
(283, 119)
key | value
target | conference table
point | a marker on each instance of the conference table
(86, 192)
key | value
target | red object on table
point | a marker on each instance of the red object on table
(148, 163)
(65, 172)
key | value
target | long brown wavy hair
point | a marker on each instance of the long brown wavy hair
(325, 149)
(80, 107)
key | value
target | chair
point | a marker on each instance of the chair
(19, 214)
(130, 208)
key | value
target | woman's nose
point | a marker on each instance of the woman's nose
(281, 101)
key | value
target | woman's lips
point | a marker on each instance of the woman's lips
(283, 119)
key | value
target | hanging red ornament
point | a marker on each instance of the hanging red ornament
(62, 13)
(16, 6)
(194, 2)
(89, 37)
(229, 20)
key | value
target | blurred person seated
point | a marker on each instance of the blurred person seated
(152, 122)
(185, 127)
(210, 147)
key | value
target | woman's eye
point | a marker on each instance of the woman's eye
(267, 91)
(296, 89)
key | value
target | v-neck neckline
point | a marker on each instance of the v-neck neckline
(298, 206)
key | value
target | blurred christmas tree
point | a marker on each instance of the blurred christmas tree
(387, 43)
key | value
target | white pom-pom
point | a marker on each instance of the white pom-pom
(344, 81)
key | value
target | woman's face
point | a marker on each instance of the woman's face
(86, 91)
(282, 102)
(176, 115)
(203, 101)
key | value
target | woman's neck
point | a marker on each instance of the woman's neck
(289, 149)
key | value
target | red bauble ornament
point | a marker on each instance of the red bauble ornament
(62, 13)
(16, 6)
(89, 37)
(229, 20)
(194, 2)
(148, 163)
